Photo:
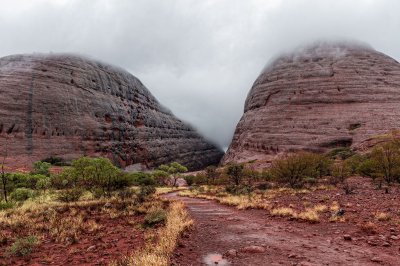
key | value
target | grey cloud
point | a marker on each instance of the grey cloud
(199, 58)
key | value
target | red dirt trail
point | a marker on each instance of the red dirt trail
(220, 228)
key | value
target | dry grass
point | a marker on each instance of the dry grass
(382, 216)
(159, 254)
(309, 215)
(165, 190)
(369, 228)
(241, 202)
(284, 212)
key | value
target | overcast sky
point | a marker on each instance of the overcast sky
(198, 57)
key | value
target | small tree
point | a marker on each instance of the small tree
(161, 176)
(235, 173)
(383, 163)
(96, 173)
(211, 173)
(295, 169)
(340, 171)
(174, 170)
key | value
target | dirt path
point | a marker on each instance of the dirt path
(253, 238)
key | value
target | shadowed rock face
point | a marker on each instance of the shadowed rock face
(68, 106)
(321, 97)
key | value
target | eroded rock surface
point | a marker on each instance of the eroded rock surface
(324, 96)
(68, 106)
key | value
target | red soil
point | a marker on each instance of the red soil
(222, 230)
(116, 238)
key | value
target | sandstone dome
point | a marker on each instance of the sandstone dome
(68, 106)
(320, 97)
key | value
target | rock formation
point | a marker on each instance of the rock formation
(69, 106)
(318, 98)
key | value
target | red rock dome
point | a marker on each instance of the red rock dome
(320, 97)
(68, 106)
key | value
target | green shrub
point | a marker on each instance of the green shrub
(211, 174)
(23, 246)
(141, 179)
(341, 153)
(145, 192)
(125, 193)
(41, 168)
(22, 194)
(6, 205)
(155, 217)
(189, 179)
(70, 195)
(57, 161)
(239, 189)
(43, 184)
(235, 173)
(296, 169)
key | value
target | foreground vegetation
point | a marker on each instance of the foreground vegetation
(90, 201)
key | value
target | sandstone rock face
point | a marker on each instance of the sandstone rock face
(321, 97)
(68, 106)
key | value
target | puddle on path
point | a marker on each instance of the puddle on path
(215, 259)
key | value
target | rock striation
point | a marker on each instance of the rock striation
(68, 106)
(320, 97)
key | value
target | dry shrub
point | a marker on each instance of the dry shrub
(159, 254)
(369, 228)
(309, 215)
(382, 216)
(283, 212)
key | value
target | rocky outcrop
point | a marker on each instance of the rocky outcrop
(324, 96)
(69, 106)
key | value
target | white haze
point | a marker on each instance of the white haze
(199, 58)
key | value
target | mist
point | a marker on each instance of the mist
(198, 58)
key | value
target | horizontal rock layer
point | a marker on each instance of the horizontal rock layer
(321, 97)
(68, 106)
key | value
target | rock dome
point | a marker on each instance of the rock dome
(68, 106)
(320, 97)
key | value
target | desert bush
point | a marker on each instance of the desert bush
(200, 179)
(239, 189)
(211, 174)
(43, 184)
(340, 172)
(97, 173)
(341, 153)
(70, 195)
(296, 169)
(6, 205)
(57, 161)
(22, 194)
(23, 246)
(174, 171)
(235, 173)
(41, 168)
(263, 186)
(125, 193)
(141, 179)
(145, 192)
(383, 163)
(189, 179)
(155, 217)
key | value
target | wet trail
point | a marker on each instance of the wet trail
(226, 236)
